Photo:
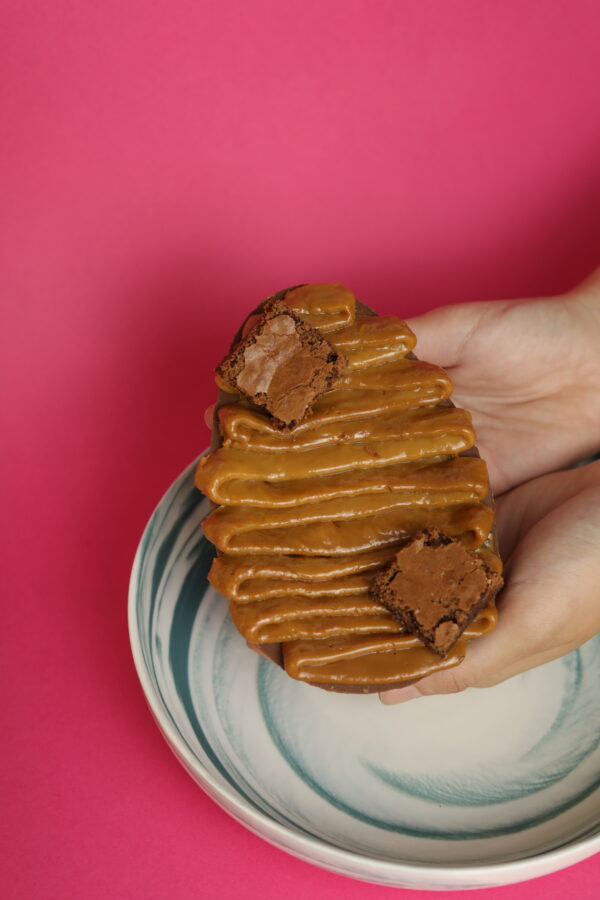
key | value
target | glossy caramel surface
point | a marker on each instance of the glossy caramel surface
(305, 519)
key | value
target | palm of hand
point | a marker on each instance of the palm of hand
(526, 373)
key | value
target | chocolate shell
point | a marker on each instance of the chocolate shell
(372, 632)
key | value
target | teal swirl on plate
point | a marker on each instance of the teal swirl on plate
(483, 788)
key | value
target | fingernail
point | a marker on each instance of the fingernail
(208, 415)
(400, 695)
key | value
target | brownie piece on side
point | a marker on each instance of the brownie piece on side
(282, 364)
(436, 588)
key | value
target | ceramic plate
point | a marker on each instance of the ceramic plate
(469, 790)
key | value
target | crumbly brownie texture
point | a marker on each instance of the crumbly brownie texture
(282, 365)
(436, 588)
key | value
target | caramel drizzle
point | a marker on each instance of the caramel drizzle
(305, 519)
(271, 620)
(337, 527)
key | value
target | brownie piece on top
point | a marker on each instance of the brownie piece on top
(282, 364)
(436, 588)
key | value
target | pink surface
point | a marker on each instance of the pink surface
(164, 165)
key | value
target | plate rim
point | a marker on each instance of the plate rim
(258, 822)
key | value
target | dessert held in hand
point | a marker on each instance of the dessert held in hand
(353, 518)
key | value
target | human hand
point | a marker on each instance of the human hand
(528, 371)
(549, 530)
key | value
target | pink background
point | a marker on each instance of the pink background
(165, 165)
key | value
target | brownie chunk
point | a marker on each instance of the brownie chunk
(282, 364)
(436, 588)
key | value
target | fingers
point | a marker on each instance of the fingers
(479, 669)
(518, 510)
(209, 415)
(443, 333)
(507, 651)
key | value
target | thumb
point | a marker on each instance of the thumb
(443, 333)
(591, 283)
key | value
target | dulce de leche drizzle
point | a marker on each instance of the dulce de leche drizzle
(306, 518)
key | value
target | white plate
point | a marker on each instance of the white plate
(466, 791)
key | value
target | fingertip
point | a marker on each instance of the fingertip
(209, 415)
(439, 333)
(399, 695)
(444, 332)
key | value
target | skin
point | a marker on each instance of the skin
(529, 372)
